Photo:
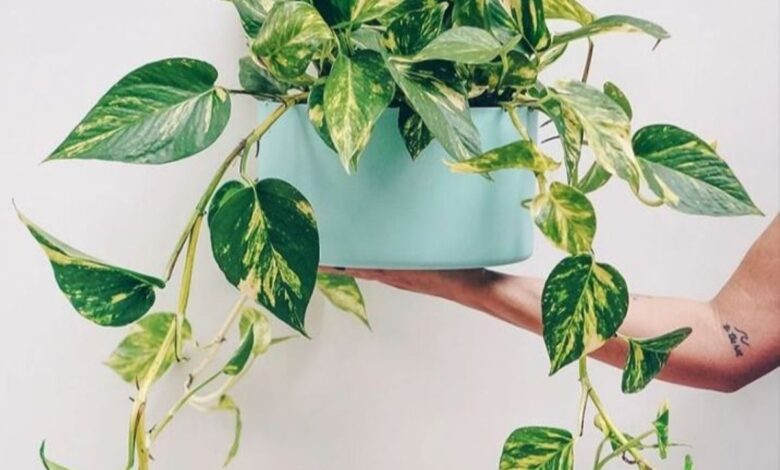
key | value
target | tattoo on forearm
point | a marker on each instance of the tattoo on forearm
(738, 338)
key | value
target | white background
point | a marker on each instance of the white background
(435, 386)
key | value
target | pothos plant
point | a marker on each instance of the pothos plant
(348, 61)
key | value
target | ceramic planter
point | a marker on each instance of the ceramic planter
(396, 213)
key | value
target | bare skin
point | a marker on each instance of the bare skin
(735, 339)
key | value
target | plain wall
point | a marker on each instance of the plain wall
(435, 386)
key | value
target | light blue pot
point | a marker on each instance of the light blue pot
(396, 213)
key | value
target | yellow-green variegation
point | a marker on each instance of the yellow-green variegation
(471, 13)
(538, 448)
(414, 132)
(252, 14)
(566, 217)
(520, 155)
(241, 355)
(316, 106)
(264, 239)
(344, 293)
(661, 426)
(688, 174)
(136, 352)
(159, 113)
(529, 15)
(583, 305)
(255, 319)
(104, 294)
(357, 91)
(463, 44)
(409, 34)
(258, 81)
(567, 10)
(352, 12)
(646, 358)
(289, 38)
(613, 23)
(569, 129)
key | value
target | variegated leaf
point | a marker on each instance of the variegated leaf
(523, 154)
(317, 112)
(410, 33)
(566, 217)
(258, 81)
(357, 91)
(159, 113)
(500, 21)
(433, 90)
(252, 13)
(471, 13)
(567, 10)
(241, 355)
(343, 292)
(688, 174)
(646, 358)
(614, 23)
(253, 318)
(342, 12)
(550, 55)
(538, 448)
(583, 305)
(226, 403)
(605, 126)
(530, 17)
(463, 44)
(104, 294)
(413, 130)
(136, 352)
(48, 464)
(569, 129)
(264, 239)
(406, 7)
(291, 35)
(661, 426)
(522, 71)
(594, 178)
(617, 95)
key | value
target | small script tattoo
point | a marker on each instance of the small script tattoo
(738, 339)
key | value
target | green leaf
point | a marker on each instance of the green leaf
(614, 23)
(255, 319)
(317, 112)
(521, 72)
(258, 81)
(289, 38)
(688, 174)
(241, 356)
(583, 305)
(342, 12)
(48, 464)
(228, 404)
(463, 44)
(433, 90)
(500, 21)
(661, 426)
(605, 126)
(343, 292)
(357, 91)
(159, 113)
(252, 14)
(264, 239)
(688, 462)
(415, 133)
(566, 217)
(136, 352)
(538, 448)
(617, 95)
(530, 17)
(646, 358)
(471, 13)
(410, 33)
(101, 293)
(225, 192)
(550, 55)
(523, 154)
(569, 129)
(595, 178)
(567, 10)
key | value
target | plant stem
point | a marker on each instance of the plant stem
(599, 449)
(212, 347)
(582, 408)
(618, 434)
(518, 123)
(186, 281)
(158, 429)
(588, 61)
(623, 448)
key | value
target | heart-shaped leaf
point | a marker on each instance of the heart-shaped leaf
(259, 81)
(688, 174)
(617, 95)
(434, 92)
(583, 305)
(566, 217)
(102, 293)
(316, 106)
(136, 352)
(410, 33)
(523, 154)
(264, 239)
(567, 10)
(646, 358)
(255, 319)
(463, 44)
(605, 125)
(538, 448)
(413, 130)
(159, 113)
(357, 91)
(344, 293)
(291, 35)
(661, 426)
(614, 23)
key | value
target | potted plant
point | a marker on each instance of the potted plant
(367, 80)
